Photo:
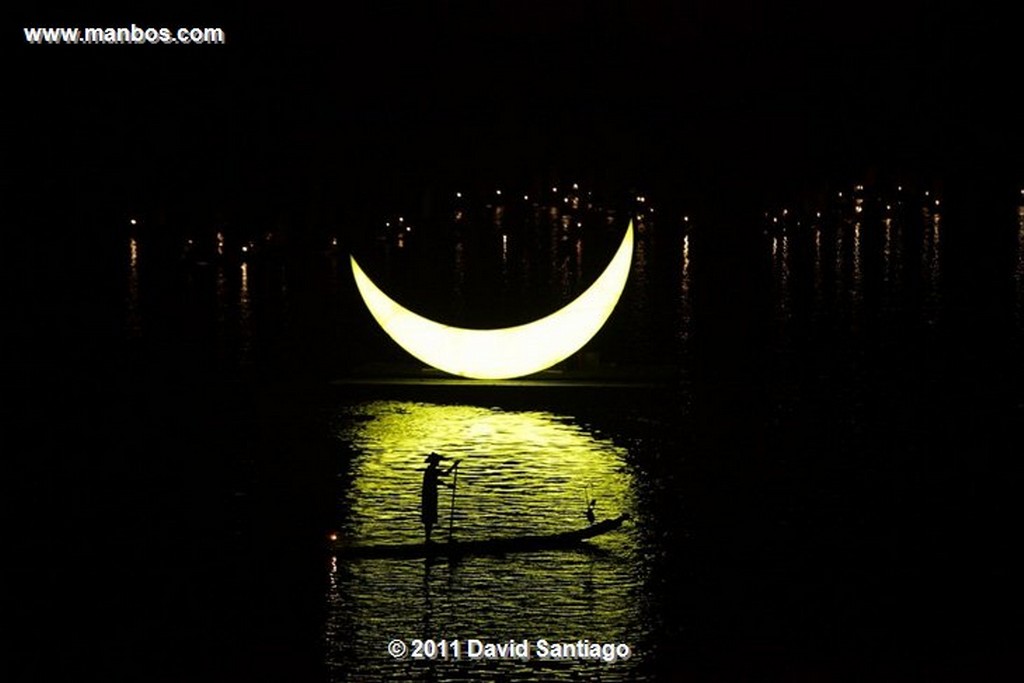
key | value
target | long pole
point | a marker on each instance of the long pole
(451, 513)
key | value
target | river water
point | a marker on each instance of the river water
(820, 481)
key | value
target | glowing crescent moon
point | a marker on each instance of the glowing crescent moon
(505, 352)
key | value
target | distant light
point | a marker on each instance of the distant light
(334, 241)
(401, 220)
(575, 186)
(859, 188)
(135, 222)
(579, 225)
(775, 219)
(887, 207)
(936, 202)
(641, 199)
(497, 192)
(244, 249)
(190, 242)
(785, 212)
(333, 537)
(686, 219)
(840, 195)
(899, 188)
(387, 224)
(526, 198)
(458, 195)
(858, 208)
(818, 214)
(926, 193)
(554, 189)
(408, 228)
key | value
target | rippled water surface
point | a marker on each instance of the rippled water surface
(521, 472)
(823, 477)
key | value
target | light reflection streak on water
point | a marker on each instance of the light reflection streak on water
(685, 303)
(819, 279)
(1020, 266)
(565, 286)
(244, 315)
(521, 472)
(579, 262)
(897, 255)
(637, 294)
(780, 257)
(784, 277)
(857, 288)
(133, 307)
(931, 266)
(839, 274)
(890, 263)
(505, 280)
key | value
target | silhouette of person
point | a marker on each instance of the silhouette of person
(428, 499)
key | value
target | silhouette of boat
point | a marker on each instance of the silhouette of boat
(487, 546)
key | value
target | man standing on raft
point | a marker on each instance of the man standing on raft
(428, 500)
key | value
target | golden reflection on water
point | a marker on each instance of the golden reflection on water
(896, 260)
(931, 264)
(685, 296)
(134, 312)
(819, 277)
(858, 264)
(521, 472)
(636, 295)
(780, 261)
(244, 314)
(838, 270)
(1020, 264)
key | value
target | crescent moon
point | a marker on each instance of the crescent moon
(507, 352)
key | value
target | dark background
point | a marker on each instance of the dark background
(128, 564)
(693, 98)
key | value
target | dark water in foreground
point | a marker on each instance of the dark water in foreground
(825, 490)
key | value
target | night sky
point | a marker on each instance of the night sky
(365, 103)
